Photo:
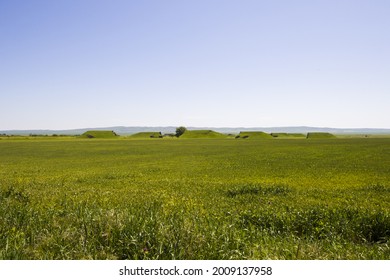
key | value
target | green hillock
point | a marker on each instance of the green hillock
(99, 134)
(287, 135)
(253, 135)
(320, 135)
(202, 134)
(146, 135)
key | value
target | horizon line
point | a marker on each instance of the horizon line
(194, 126)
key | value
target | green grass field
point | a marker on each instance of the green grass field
(194, 199)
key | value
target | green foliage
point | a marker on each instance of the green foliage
(257, 190)
(180, 131)
(99, 134)
(317, 223)
(194, 199)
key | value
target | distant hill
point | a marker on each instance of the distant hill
(146, 135)
(206, 133)
(99, 134)
(253, 135)
(123, 130)
(120, 130)
(288, 135)
(320, 135)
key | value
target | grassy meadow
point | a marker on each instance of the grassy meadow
(69, 198)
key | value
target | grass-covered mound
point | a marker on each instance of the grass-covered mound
(319, 135)
(253, 135)
(287, 135)
(202, 134)
(146, 135)
(99, 134)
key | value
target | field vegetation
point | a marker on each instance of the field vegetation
(288, 135)
(253, 135)
(146, 135)
(202, 134)
(99, 134)
(72, 198)
(320, 135)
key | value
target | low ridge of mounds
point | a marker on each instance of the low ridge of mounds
(210, 134)
(253, 135)
(202, 134)
(287, 135)
(99, 134)
(146, 135)
(319, 135)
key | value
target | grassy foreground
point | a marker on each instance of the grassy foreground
(195, 199)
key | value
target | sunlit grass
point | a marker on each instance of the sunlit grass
(195, 199)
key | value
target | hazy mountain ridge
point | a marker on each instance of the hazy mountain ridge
(127, 130)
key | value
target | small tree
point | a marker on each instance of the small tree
(180, 130)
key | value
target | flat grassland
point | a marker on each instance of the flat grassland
(195, 199)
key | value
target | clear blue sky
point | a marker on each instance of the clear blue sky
(93, 63)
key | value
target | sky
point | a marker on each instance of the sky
(218, 63)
